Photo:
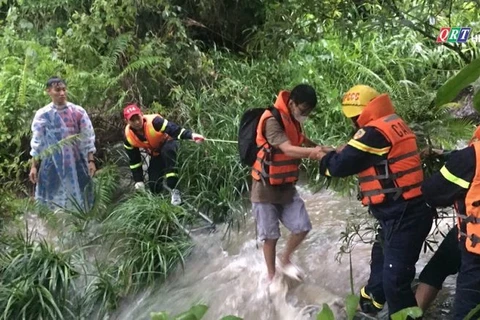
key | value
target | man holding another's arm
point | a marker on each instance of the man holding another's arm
(383, 153)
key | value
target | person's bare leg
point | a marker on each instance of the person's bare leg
(269, 253)
(294, 240)
(425, 295)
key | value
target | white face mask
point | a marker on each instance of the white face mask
(301, 119)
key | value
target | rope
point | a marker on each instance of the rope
(220, 140)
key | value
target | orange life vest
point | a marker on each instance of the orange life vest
(272, 165)
(469, 220)
(155, 139)
(403, 166)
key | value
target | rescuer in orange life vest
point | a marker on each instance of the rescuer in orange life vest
(383, 153)
(458, 183)
(158, 137)
(446, 260)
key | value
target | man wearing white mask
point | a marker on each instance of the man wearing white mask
(274, 174)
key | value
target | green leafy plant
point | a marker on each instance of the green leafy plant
(413, 313)
(196, 312)
(36, 279)
(454, 85)
(326, 313)
(147, 238)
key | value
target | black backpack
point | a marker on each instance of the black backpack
(247, 133)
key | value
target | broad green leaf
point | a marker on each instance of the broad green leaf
(452, 105)
(326, 313)
(231, 318)
(413, 312)
(186, 316)
(472, 313)
(195, 313)
(159, 316)
(351, 304)
(476, 101)
(454, 85)
(199, 310)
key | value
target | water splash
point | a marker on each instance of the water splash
(228, 275)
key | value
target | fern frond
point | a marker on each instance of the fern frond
(22, 92)
(52, 149)
(117, 48)
(142, 63)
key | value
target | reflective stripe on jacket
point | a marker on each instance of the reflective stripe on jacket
(155, 139)
(402, 172)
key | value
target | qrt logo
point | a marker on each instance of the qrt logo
(457, 34)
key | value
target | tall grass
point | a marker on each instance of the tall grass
(103, 253)
(148, 237)
(36, 279)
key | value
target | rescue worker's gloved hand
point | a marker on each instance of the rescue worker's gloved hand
(139, 186)
(198, 138)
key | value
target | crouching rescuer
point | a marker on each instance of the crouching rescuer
(458, 184)
(158, 137)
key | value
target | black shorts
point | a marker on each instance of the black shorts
(445, 261)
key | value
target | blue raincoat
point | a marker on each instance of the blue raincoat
(62, 139)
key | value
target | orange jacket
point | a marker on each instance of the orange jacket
(155, 139)
(272, 165)
(403, 166)
(469, 221)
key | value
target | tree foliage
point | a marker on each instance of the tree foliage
(202, 63)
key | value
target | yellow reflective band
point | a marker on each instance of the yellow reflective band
(364, 294)
(180, 134)
(327, 173)
(377, 305)
(454, 179)
(127, 147)
(135, 166)
(172, 174)
(363, 147)
(165, 122)
(130, 141)
(151, 131)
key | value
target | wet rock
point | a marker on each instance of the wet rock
(466, 111)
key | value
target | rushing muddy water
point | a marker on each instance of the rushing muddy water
(227, 274)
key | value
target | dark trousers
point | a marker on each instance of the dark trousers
(394, 255)
(467, 294)
(163, 167)
(444, 262)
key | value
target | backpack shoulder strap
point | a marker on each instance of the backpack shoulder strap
(276, 114)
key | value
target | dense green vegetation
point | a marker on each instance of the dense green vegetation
(200, 64)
